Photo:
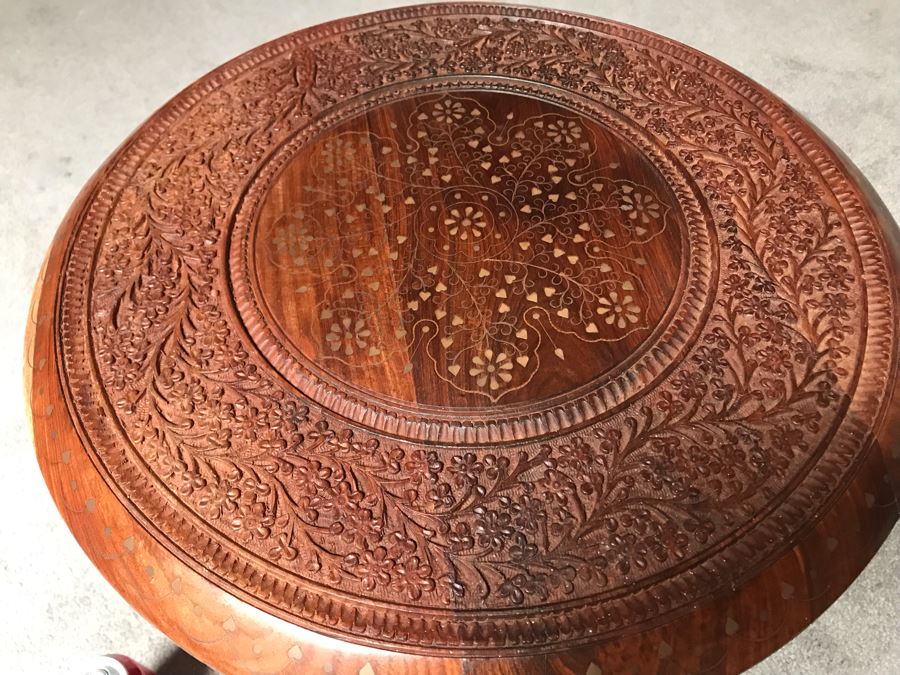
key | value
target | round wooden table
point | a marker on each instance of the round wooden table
(473, 339)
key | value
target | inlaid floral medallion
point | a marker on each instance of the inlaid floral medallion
(514, 244)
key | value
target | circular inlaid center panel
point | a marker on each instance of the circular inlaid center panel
(466, 249)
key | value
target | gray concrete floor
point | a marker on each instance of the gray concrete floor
(77, 77)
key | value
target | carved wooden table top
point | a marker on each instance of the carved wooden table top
(473, 331)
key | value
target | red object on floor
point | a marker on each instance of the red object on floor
(117, 664)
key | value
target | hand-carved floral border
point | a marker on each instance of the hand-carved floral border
(778, 398)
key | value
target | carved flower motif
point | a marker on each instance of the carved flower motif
(465, 469)
(412, 577)
(520, 585)
(711, 360)
(311, 477)
(836, 305)
(836, 277)
(189, 482)
(357, 525)
(639, 206)
(287, 416)
(441, 496)
(493, 528)
(398, 544)
(448, 111)
(619, 310)
(556, 486)
(216, 499)
(189, 394)
(373, 568)
(690, 384)
(577, 460)
(490, 370)
(786, 438)
(564, 131)
(348, 336)
(466, 222)
(527, 512)
(253, 520)
(774, 360)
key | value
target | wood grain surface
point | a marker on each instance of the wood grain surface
(472, 331)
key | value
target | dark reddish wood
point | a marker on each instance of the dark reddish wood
(496, 332)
